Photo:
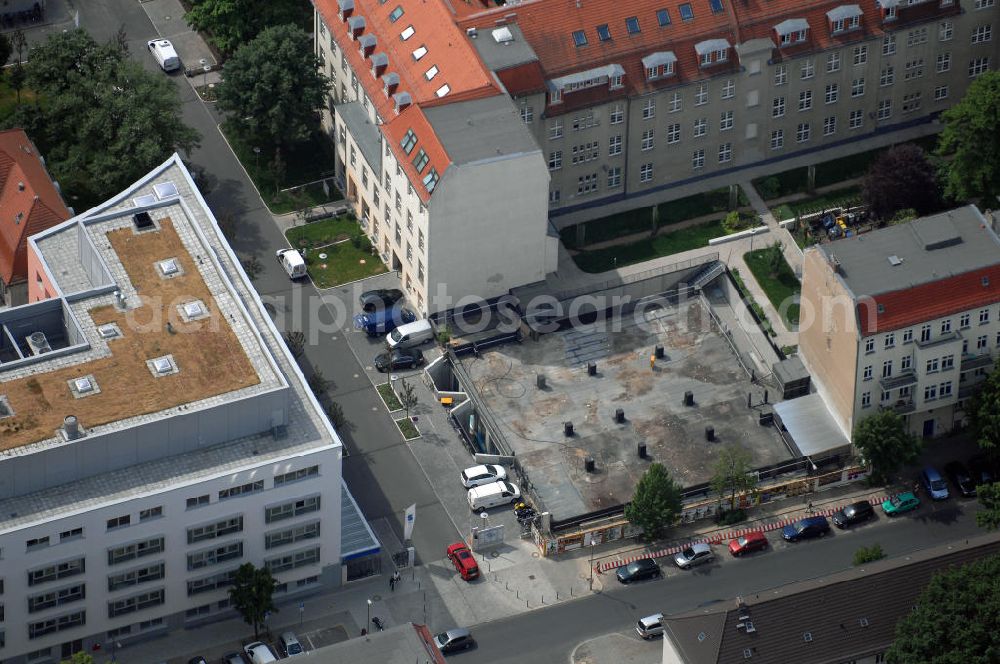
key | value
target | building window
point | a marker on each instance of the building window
(632, 25)
(555, 129)
(932, 365)
(614, 177)
(53, 625)
(887, 76)
(579, 38)
(615, 145)
(889, 44)
(675, 102)
(136, 603)
(884, 109)
(698, 159)
(725, 153)
(914, 69)
(409, 141)
(908, 336)
(701, 95)
(912, 102)
(906, 363)
(858, 87)
(726, 121)
(944, 389)
(297, 475)
(945, 31)
(293, 560)
(803, 132)
(886, 368)
(947, 362)
(135, 577)
(930, 393)
(75, 533)
(242, 490)
(943, 62)
(555, 160)
(830, 126)
(860, 55)
(151, 513)
(674, 133)
(916, 37)
(278, 538)
(291, 509)
(856, 119)
(981, 342)
(210, 531)
(984, 4)
(586, 152)
(37, 543)
(586, 184)
(805, 100)
(617, 114)
(870, 345)
(604, 32)
(925, 333)
(832, 63)
(554, 196)
(807, 69)
(777, 139)
(648, 109)
(729, 89)
(118, 522)
(946, 326)
(647, 140)
(978, 66)
(778, 107)
(646, 173)
(527, 114)
(940, 92)
(662, 17)
(780, 75)
(57, 571)
(832, 93)
(866, 399)
(149, 547)
(700, 127)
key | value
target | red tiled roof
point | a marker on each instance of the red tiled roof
(24, 210)
(926, 302)
(523, 79)
(458, 64)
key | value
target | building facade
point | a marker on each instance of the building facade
(906, 318)
(156, 433)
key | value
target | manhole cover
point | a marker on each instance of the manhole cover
(376, 598)
(531, 576)
(322, 257)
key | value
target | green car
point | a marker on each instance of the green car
(900, 503)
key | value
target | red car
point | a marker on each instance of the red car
(752, 541)
(463, 561)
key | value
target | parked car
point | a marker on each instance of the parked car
(259, 653)
(807, 528)
(234, 658)
(380, 298)
(289, 644)
(638, 570)
(409, 358)
(412, 334)
(934, 484)
(693, 555)
(454, 640)
(961, 478)
(164, 54)
(463, 560)
(982, 471)
(903, 502)
(491, 495)
(480, 475)
(752, 541)
(650, 626)
(198, 660)
(852, 514)
(383, 321)
(292, 263)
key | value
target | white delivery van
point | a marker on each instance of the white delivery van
(259, 653)
(292, 262)
(164, 53)
(492, 495)
(411, 334)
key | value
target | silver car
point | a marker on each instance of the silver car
(650, 626)
(695, 554)
(454, 640)
(480, 475)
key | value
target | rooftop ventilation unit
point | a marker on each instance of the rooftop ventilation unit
(108, 331)
(38, 343)
(164, 190)
(472, 33)
(503, 35)
(142, 220)
(144, 200)
(194, 309)
(71, 429)
(169, 266)
(163, 365)
(83, 385)
(895, 260)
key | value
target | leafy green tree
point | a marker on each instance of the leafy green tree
(985, 414)
(885, 443)
(296, 342)
(273, 89)
(732, 473)
(656, 503)
(6, 49)
(956, 618)
(105, 122)
(407, 395)
(970, 138)
(79, 657)
(232, 23)
(335, 413)
(901, 177)
(989, 499)
(252, 595)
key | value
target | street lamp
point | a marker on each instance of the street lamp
(115, 645)
(256, 152)
(593, 543)
(368, 624)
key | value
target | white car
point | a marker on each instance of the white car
(492, 495)
(650, 626)
(164, 53)
(694, 554)
(259, 653)
(480, 475)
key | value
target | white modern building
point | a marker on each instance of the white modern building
(155, 434)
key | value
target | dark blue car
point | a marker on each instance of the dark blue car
(383, 321)
(807, 528)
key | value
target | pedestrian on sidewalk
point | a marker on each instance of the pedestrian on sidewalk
(392, 582)
(396, 578)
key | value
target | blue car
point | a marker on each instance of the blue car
(934, 484)
(807, 528)
(382, 321)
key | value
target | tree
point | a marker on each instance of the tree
(6, 49)
(989, 499)
(972, 142)
(318, 383)
(985, 414)
(407, 395)
(79, 657)
(105, 122)
(901, 177)
(273, 89)
(956, 618)
(252, 266)
(774, 259)
(252, 594)
(885, 443)
(656, 503)
(733, 474)
(335, 413)
(236, 22)
(296, 342)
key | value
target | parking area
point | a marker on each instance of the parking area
(582, 376)
(167, 17)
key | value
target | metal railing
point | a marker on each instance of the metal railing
(638, 276)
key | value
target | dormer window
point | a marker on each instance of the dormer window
(555, 96)
(402, 100)
(344, 9)
(366, 45)
(792, 31)
(888, 9)
(844, 18)
(379, 63)
(389, 83)
(659, 65)
(604, 32)
(712, 51)
(616, 81)
(580, 38)
(355, 26)
(632, 25)
(716, 6)
(663, 17)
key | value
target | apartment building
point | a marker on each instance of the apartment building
(155, 433)
(906, 317)
(447, 181)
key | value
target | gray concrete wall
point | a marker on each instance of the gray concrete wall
(91, 261)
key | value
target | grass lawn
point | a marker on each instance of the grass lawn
(692, 237)
(407, 428)
(343, 263)
(780, 287)
(322, 232)
(306, 162)
(831, 199)
(388, 396)
(8, 98)
(641, 219)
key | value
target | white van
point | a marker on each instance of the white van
(165, 54)
(292, 262)
(259, 653)
(491, 495)
(411, 334)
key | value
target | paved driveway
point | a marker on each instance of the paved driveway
(167, 17)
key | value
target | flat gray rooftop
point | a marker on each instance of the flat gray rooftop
(922, 251)
(480, 129)
(498, 52)
(696, 358)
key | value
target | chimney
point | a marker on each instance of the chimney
(20, 186)
(71, 428)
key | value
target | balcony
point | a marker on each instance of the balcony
(970, 361)
(939, 340)
(908, 377)
(902, 406)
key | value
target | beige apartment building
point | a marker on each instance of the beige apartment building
(906, 317)
(568, 110)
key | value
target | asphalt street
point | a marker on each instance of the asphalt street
(380, 470)
(549, 635)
